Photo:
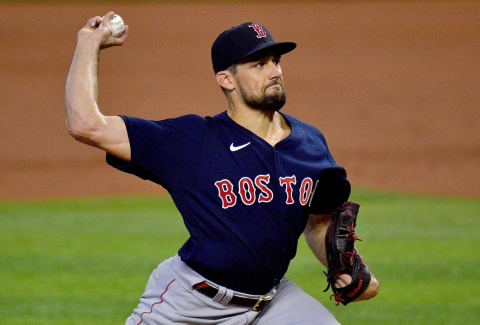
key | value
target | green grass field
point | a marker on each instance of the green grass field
(87, 261)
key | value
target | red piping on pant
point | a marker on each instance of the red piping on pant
(158, 302)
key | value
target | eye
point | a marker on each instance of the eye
(259, 64)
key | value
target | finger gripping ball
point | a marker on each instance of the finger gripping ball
(117, 24)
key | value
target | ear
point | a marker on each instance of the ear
(225, 80)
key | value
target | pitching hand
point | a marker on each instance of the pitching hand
(102, 35)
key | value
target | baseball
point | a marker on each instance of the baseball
(118, 26)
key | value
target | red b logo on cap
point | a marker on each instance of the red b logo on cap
(259, 30)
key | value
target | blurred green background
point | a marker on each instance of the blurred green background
(86, 261)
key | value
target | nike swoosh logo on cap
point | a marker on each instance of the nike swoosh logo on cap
(235, 148)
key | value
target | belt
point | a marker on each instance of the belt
(257, 304)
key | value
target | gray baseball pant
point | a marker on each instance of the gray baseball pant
(170, 299)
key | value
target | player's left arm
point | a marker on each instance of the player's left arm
(315, 232)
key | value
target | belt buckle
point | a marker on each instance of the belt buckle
(269, 296)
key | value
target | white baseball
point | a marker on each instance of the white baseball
(118, 26)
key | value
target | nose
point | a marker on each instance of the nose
(275, 70)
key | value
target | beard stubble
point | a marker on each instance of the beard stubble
(269, 102)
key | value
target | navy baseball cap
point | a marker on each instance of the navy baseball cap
(241, 41)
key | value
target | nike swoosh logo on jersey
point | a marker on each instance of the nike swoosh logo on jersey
(234, 148)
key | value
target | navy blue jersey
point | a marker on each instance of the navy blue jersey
(242, 200)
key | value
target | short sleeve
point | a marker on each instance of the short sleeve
(162, 151)
(333, 185)
(329, 155)
(331, 190)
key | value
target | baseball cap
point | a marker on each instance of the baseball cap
(241, 41)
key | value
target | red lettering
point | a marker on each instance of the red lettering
(225, 192)
(288, 181)
(261, 181)
(259, 29)
(305, 190)
(247, 194)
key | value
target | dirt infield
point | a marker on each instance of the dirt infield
(393, 86)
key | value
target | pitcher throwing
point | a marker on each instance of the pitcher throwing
(247, 182)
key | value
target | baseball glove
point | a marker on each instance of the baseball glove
(342, 257)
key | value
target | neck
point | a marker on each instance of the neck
(268, 125)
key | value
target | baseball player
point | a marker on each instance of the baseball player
(247, 182)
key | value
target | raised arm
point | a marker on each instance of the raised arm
(85, 122)
(315, 232)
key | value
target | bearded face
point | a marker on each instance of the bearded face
(271, 98)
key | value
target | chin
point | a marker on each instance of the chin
(271, 101)
(275, 103)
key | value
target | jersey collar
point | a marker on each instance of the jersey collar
(294, 136)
